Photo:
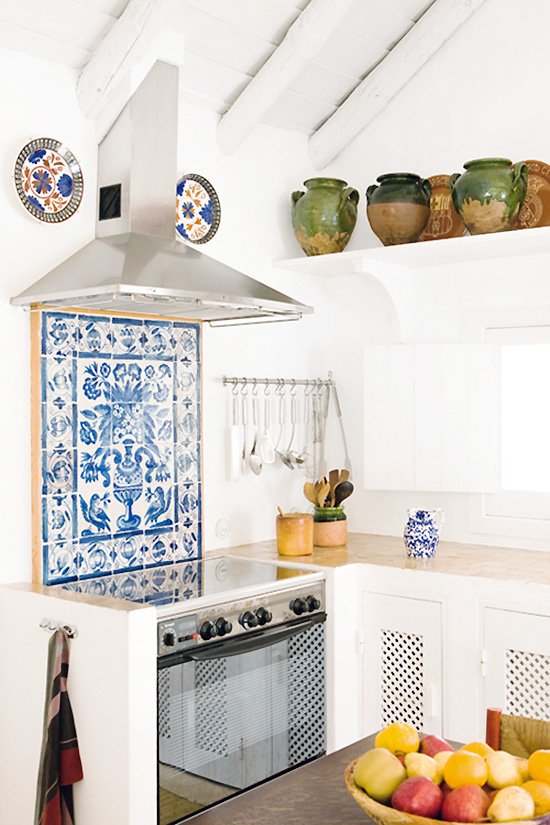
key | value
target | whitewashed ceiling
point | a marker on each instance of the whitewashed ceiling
(226, 43)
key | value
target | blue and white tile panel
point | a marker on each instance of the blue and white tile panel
(121, 441)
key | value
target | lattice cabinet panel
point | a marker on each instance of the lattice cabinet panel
(402, 673)
(517, 656)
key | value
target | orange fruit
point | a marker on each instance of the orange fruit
(540, 791)
(465, 768)
(539, 765)
(478, 747)
(398, 737)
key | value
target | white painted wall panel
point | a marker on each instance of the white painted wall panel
(377, 22)
(350, 54)
(440, 434)
(262, 18)
(324, 83)
(299, 111)
(14, 38)
(63, 20)
(388, 400)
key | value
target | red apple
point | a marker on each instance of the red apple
(430, 745)
(467, 803)
(418, 795)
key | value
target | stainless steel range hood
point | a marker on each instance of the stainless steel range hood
(135, 264)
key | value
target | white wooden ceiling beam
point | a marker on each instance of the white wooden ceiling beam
(127, 44)
(374, 93)
(304, 39)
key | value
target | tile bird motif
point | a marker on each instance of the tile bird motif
(120, 437)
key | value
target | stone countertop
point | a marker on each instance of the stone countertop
(452, 558)
(316, 792)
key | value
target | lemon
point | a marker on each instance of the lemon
(540, 791)
(478, 747)
(465, 768)
(399, 737)
(539, 765)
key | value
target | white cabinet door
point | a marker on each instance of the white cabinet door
(402, 668)
(517, 662)
(430, 413)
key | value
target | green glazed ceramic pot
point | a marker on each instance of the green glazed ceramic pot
(330, 527)
(398, 209)
(324, 217)
(489, 194)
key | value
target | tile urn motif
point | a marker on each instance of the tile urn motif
(398, 208)
(489, 194)
(119, 439)
(324, 216)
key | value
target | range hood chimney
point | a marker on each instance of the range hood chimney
(135, 264)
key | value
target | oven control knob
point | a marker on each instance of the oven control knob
(313, 603)
(169, 639)
(248, 620)
(263, 615)
(208, 630)
(223, 626)
(298, 606)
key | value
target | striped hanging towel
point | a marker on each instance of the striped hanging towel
(60, 764)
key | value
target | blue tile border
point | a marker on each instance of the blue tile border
(120, 441)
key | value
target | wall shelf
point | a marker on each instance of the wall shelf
(429, 253)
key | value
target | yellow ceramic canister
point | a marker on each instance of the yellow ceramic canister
(295, 534)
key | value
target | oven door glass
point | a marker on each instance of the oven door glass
(233, 714)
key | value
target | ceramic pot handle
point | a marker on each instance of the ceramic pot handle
(439, 518)
(453, 179)
(296, 197)
(426, 187)
(370, 191)
(351, 193)
(520, 174)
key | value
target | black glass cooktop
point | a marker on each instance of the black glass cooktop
(174, 583)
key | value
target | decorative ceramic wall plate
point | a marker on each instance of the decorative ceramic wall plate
(48, 180)
(197, 209)
(444, 220)
(536, 207)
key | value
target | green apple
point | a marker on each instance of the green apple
(379, 772)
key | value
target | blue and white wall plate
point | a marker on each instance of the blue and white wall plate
(120, 443)
(198, 209)
(48, 180)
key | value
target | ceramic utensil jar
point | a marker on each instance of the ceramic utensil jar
(330, 527)
(398, 209)
(295, 534)
(422, 532)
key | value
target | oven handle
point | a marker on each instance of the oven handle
(233, 647)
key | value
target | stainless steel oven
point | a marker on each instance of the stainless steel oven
(241, 695)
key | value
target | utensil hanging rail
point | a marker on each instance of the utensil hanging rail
(280, 382)
(70, 629)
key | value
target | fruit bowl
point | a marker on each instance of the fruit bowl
(384, 815)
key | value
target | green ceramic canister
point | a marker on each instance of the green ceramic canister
(398, 209)
(330, 527)
(324, 216)
(489, 194)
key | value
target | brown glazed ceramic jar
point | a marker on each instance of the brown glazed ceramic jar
(398, 209)
(295, 534)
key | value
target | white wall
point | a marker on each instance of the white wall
(37, 99)
(478, 97)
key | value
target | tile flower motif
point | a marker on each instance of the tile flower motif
(120, 444)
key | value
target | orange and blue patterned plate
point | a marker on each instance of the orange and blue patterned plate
(48, 180)
(197, 209)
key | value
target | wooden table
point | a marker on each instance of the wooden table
(314, 794)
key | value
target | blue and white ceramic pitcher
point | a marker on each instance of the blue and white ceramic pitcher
(422, 532)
